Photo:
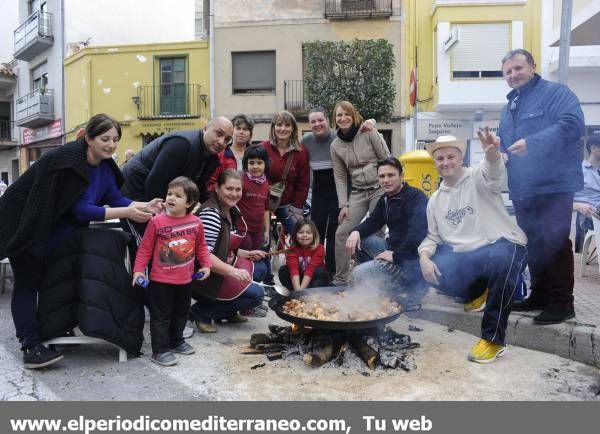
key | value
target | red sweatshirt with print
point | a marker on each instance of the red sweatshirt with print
(305, 260)
(172, 243)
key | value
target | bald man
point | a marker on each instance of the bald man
(191, 153)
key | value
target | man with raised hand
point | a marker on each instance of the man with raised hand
(540, 128)
(471, 239)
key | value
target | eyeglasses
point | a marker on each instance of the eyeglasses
(513, 104)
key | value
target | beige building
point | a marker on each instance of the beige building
(259, 60)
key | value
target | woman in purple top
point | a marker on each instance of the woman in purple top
(63, 190)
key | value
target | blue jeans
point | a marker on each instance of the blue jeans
(496, 266)
(205, 311)
(387, 276)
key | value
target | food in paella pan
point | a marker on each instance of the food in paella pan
(334, 307)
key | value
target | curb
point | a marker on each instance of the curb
(572, 340)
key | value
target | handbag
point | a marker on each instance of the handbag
(276, 190)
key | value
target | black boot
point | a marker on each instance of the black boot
(39, 356)
(528, 304)
(554, 315)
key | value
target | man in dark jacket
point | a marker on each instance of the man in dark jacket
(192, 153)
(392, 263)
(181, 153)
(540, 128)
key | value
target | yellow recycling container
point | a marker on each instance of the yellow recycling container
(419, 171)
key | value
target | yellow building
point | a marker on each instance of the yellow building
(150, 89)
(456, 47)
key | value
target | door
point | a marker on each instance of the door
(172, 87)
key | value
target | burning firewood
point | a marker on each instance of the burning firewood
(365, 352)
(323, 354)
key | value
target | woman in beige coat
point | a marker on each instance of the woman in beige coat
(354, 154)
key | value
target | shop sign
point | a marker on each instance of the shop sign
(430, 129)
(166, 126)
(53, 129)
(492, 124)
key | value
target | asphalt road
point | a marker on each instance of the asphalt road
(219, 372)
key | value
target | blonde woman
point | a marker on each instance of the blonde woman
(354, 154)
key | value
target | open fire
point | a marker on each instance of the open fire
(376, 347)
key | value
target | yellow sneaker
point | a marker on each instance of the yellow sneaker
(486, 352)
(478, 304)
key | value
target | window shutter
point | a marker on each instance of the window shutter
(253, 71)
(481, 47)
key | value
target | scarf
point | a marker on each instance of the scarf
(257, 179)
(349, 136)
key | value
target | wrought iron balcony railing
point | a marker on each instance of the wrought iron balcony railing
(33, 36)
(170, 101)
(358, 8)
(293, 97)
(6, 130)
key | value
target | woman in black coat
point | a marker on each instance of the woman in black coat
(65, 189)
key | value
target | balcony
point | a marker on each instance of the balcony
(35, 109)
(347, 9)
(170, 101)
(7, 138)
(293, 98)
(33, 36)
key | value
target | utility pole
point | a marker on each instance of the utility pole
(565, 41)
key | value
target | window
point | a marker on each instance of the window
(199, 32)
(253, 72)
(37, 5)
(39, 77)
(172, 86)
(479, 50)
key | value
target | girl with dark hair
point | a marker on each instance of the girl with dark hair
(64, 190)
(254, 203)
(229, 293)
(305, 267)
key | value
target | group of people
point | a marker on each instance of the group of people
(198, 205)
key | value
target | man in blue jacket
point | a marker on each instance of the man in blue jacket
(540, 128)
(392, 263)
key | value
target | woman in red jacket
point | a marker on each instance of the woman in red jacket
(305, 266)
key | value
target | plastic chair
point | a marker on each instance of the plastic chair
(589, 251)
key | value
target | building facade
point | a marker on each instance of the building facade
(456, 47)
(258, 54)
(584, 54)
(150, 89)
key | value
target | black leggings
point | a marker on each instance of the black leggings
(320, 277)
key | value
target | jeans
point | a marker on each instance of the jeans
(205, 311)
(387, 276)
(498, 266)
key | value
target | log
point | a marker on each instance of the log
(258, 338)
(364, 351)
(322, 355)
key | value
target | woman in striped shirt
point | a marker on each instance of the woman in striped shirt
(229, 293)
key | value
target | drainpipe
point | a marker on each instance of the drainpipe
(565, 41)
(62, 68)
(211, 56)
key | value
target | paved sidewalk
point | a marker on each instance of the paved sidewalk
(577, 339)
